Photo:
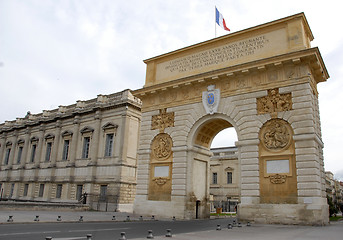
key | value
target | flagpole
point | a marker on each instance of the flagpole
(215, 23)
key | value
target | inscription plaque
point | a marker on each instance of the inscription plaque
(162, 171)
(277, 166)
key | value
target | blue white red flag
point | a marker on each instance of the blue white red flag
(220, 20)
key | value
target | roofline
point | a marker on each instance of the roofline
(231, 35)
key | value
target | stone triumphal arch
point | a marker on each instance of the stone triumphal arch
(263, 82)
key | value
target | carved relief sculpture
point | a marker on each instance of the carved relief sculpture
(160, 180)
(278, 179)
(274, 102)
(162, 146)
(163, 120)
(276, 134)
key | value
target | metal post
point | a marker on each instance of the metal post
(150, 236)
(123, 237)
(168, 234)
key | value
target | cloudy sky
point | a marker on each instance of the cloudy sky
(55, 52)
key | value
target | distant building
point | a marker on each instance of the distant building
(83, 152)
(225, 178)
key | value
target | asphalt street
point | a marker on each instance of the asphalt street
(101, 226)
(103, 230)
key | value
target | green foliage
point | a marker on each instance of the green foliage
(332, 207)
(335, 218)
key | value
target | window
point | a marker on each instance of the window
(229, 177)
(48, 151)
(79, 192)
(7, 156)
(59, 191)
(20, 152)
(85, 149)
(41, 190)
(33, 153)
(109, 145)
(103, 190)
(65, 149)
(12, 190)
(214, 178)
(26, 189)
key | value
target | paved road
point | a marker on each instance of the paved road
(100, 225)
(102, 230)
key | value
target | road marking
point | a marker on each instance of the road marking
(98, 230)
(72, 238)
(25, 233)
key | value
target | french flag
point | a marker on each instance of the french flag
(220, 20)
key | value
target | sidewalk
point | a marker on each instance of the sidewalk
(66, 216)
(265, 232)
(255, 231)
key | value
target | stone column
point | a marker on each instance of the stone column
(94, 149)
(95, 138)
(40, 152)
(2, 147)
(74, 141)
(55, 149)
(25, 155)
(12, 153)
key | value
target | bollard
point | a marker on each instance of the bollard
(174, 218)
(239, 225)
(150, 236)
(248, 224)
(128, 219)
(36, 219)
(89, 236)
(141, 218)
(114, 218)
(10, 219)
(229, 226)
(152, 217)
(59, 219)
(234, 222)
(168, 234)
(48, 238)
(81, 219)
(218, 228)
(123, 236)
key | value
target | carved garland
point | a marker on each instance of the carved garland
(277, 179)
(160, 180)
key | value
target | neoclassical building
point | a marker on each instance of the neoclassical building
(88, 147)
(150, 150)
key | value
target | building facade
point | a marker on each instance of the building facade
(82, 152)
(225, 179)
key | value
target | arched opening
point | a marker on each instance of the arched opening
(215, 166)
(224, 172)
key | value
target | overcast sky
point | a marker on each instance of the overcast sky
(55, 52)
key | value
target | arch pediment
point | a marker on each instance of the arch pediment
(109, 125)
(87, 129)
(67, 133)
(49, 136)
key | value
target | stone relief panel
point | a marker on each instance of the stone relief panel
(161, 147)
(276, 134)
(274, 102)
(278, 175)
(161, 159)
(162, 120)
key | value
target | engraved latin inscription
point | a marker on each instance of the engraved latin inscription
(228, 52)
